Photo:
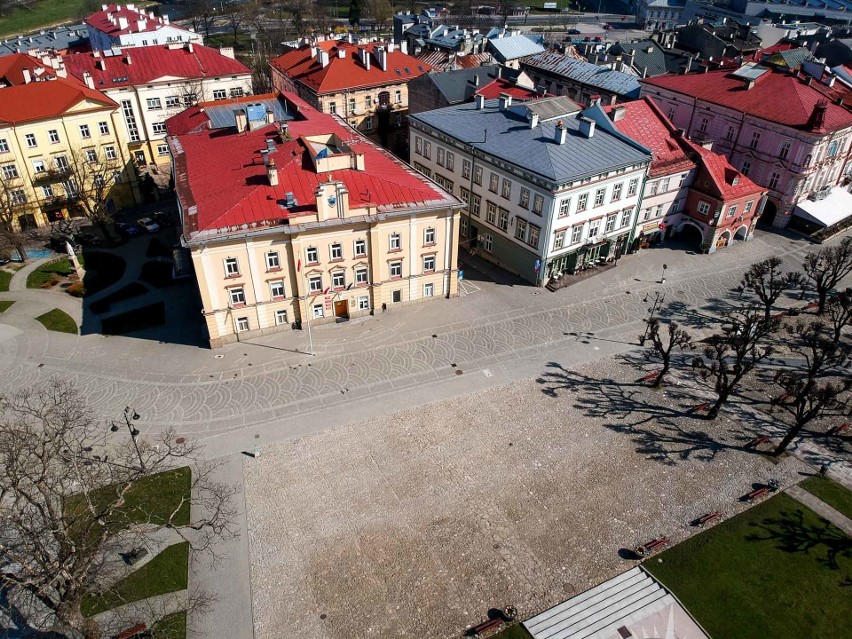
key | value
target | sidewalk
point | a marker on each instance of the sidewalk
(19, 279)
(821, 508)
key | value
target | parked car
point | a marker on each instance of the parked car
(164, 219)
(88, 239)
(148, 224)
(607, 27)
(574, 31)
(126, 229)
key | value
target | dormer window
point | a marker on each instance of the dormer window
(736, 180)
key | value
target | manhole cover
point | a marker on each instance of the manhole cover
(487, 372)
(180, 440)
(218, 356)
(459, 371)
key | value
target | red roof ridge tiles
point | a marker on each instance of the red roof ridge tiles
(101, 21)
(727, 181)
(500, 85)
(12, 69)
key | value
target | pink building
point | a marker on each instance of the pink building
(786, 131)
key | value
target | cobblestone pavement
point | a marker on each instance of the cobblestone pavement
(209, 393)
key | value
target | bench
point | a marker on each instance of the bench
(131, 632)
(707, 519)
(485, 626)
(651, 546)
(757, 441)
(757, 493)
(701, 408)
(840, 428)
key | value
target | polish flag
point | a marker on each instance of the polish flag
(299, 266)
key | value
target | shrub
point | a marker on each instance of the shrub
(76, 289)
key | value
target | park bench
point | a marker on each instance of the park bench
(651, 546)
(650, 377)
(840, 428)
(707, 519)
(757, 441)
(757, 493)
(782, 399)
(132, 633)
(485, 627)
(701, 408)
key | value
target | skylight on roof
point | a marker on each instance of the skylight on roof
(398, 72)
(408, 71)
(419, 67)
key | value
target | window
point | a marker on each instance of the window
(280, 318)
(429, 236)
(272, 261)
(477, 175)
(318, 311)
(773, 180)
(109, 152)
(31, 140)
(162, 149)
(368, 123)
(91, 156)
(732, 210)
(493, 181)
(703, 208)
(755, 140)
(487, 242)
(538, 204)
(10, 171)
(491, 212)
(394, 243)
(276, 290)
(441, 156)
(729, 134)
(577, 234)
(70, 188)
(38, 166)
(4, 145)
(594, 227)
(427, 149)
(464, 194)
(610, 223)
(19, 197)
(159, 128)
(784, 151)
(631, 186)
(312, 255)
(84, 131)
(476, 205)
(418, 145)
(503, 220)
(451, 161)
(463, 226)
(172, 101)
(360, 248)
(232, 268)
(558, 240)
(238, 296)
(315, 283)
(682, 180)
(664, 185)
(130, 120)
(338, 280)
(521, 229)
(336, 251)
(219, 94)
(428, 290)
(616, 193)
(360, 276)
(242, 324)
(429, 264)
(466, 169)
(507, 188)
(646, 215)
(746, 167)
(447, 184)
(653, 187)
(582, 202)
(672, 112)
(103, 128)
(154, 103)
(363, 303)
(832, 149)
(703, 126)
(525, 198)
(53, 136)
(351, 105)
(599, 196)
(565, 207)
(47, 191)
(397, 97)
(535, 232)
(368, 101)
(625, 218)
(395, 270)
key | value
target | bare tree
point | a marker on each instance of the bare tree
(202, 13)
(300, 10)
(92, 178)
(838, 313)
(13, 205)
(321, 17)
(236, 15)
(735, 351)
(379, 11)
(71, 499)
(664, 344)
(827, 267)
(191, 91)
(767, 282)
(818, 387)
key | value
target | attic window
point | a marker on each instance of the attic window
(736, 180)
(407, 70)
(419, 67)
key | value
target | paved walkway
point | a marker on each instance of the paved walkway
(19, 279)
(821, 508)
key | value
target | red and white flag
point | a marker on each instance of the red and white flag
(299, 266)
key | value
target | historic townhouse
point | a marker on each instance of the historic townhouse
(302, 220)
(131, 25)
(785, 130)
(50, 130)
(550, 189)
(365, 84)
(153, 83)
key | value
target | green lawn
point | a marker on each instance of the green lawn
(514, 632)
(46, 272)
(776, 570)
(5, 278)
(831, 493)
(59, 321)
(43, 13)
(171, 626)
(167, 572)
(5, 304)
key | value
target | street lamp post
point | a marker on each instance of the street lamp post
(663, 276)
(658, 302)
(130, 414)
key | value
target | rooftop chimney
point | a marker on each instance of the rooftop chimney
(272, 172)
(587, 127)
(382, 55)
(241, 119)
(270, 116)
(104, 7)
(87, 80)
(533, 120)
(560, 133)
(323, 58)
(390, 46)
(817, 120)
(27, 77)
(100, 63)
(365, 59)
(127, 58)
(141, 23)
(475, 80)
(480, 101)
(165, 19)
(190, 47)
(618, 113)
(122, 22)
(403, 47)
(341, 53)
(505, 101)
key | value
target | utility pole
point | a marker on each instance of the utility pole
(657, 304)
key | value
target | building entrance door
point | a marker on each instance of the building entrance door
(341, 309)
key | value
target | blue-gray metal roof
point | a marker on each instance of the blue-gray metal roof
(74, 35)
(514, 47)
(507, 135)
(223, 117)
(585, 72)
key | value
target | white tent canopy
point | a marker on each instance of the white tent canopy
(835, 206)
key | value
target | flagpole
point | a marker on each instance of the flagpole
(308, 316)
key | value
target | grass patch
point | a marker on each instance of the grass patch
(514, 632)
(777, 570)
(59, 321)
(217, 40)
(136, 320)
(41, 14)
(5, 304)
(171, 626)
(49, 272)
(831, 493)
(167, 572)
(5, 278)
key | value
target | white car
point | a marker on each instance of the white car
(148, 224)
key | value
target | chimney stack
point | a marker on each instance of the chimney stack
(365, 59)
(533, 120)
(127, 59)
(480, 102)
(141, 24)
(27, 76)
(165, 19)
(323, 58)
(272, 172)
(190, 47)
(475, 80)
(560, 133)
(383, 57)
(403, 47)
(122, 22)
(618, 113)
(241, 119)
(505, 101)
(270, 116)
(341, 53)
(87, 80)
(101, 64)
(587, 127)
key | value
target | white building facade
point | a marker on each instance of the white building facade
(130, 25)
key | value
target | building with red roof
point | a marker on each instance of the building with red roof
(153, 83)
(502, 86)
(789, 132)
(20, 68)
(302, 219)
(365, 84)
(130, 25)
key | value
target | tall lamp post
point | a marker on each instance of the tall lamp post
(129, 415)
(658, 302)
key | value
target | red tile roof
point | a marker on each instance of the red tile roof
(723, 175)
(646, 124)
(150, 63)
(100, 20)
(495, 88)
(45, 100)
(777, 96)
(12, 69)
(230, 189)
(347, 72)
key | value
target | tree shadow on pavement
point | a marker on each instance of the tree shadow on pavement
(791, 533)
(19, 628)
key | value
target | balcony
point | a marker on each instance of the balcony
(51, 175)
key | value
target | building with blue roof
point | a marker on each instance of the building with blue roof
(509, 48)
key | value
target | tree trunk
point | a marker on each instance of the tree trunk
(822, 294)
(713, 413)
(666, 366)
(789, 437)
(767, 313)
